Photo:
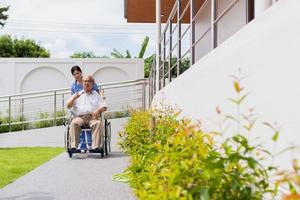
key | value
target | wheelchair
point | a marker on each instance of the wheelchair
(86, 139)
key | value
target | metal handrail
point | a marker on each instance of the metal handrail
(171, 16)
(185, 10)
(227, 9)
(136, 93)
(185, 31)
(63, 89)
(202, 36)
(169, 32)
(200, 10)
(184, 54)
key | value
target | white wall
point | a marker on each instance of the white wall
(202, 22)
(261, 6)
(230, 23)
(233, 21)
(268, 52)
(20, 75)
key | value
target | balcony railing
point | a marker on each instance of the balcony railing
(179, 42)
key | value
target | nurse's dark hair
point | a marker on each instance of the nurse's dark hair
(74, 68)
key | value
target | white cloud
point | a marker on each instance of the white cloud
(61, 48)
(58, 48)
(91, 44)
(69, 40)
(79, 11)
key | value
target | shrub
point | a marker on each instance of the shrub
(39, 124)
(43, 116)
(60, 113)
(162, 158)
(44, 123)
(14, 127)
(292, 179)
(172, 158)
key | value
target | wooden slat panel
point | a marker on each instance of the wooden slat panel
(143, 11)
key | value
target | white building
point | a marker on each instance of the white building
(259, 36)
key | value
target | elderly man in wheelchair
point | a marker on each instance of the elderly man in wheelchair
(86, 107)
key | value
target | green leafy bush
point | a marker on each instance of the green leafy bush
(43, 116)
(14, 127)
(39, 124)
(158, 166)
(172, 158)
(60, 113)
(44, 123)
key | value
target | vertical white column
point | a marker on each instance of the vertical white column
(213, 27)
(158, 34)
(261, 6)
(192, 32)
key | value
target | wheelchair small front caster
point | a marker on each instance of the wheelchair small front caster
(70, 153)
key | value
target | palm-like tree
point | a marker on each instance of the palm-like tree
(116, 54)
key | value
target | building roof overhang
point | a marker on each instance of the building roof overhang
(143, 11)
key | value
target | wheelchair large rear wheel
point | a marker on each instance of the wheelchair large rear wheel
(105, 138)
(109, 136)
(67, 141)
(66, 138)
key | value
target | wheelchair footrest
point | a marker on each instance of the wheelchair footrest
(75, 150)
(91, 150)
(97, 150)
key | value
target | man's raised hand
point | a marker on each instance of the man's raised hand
(96, 115)
(77, 95)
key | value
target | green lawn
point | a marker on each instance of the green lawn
(15, 162)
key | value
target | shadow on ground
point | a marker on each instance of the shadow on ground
(111, 155)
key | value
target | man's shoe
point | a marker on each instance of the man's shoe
(82, 151)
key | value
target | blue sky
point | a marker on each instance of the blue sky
(67, 26)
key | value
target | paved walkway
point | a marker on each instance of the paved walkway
(83, 177)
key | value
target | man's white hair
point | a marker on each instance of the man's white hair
(89, 77)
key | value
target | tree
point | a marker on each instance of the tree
(3, 15)
(86, 55)
(184, 65)
(116, 54)
(6, 46)
(21, 48)
(148, 62)
(143, 47)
